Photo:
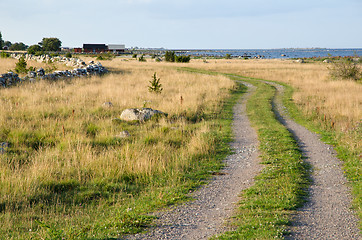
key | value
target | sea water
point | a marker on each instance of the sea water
(275, 53)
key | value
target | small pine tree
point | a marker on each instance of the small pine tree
(20, 66)
(155, 86)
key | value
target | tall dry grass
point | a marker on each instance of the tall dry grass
(62, 139)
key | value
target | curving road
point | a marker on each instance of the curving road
(327, 213)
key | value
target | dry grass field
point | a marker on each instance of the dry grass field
(335, 104)
(64, 159)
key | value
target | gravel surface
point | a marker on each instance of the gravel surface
(327, 214)
(215, 202)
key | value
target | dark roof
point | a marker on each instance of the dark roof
(94, 46)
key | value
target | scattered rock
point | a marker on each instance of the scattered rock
(3, 147)
(9, 79)
(123, 134)
(300, 61)
(107, 104)
(143, 114)
(31, 74)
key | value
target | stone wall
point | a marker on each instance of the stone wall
(81, 70)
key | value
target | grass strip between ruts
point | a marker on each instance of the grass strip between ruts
(265, 208)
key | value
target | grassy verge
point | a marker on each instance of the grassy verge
(280, 188)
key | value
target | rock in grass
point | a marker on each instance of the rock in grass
(3, 147)
(123, 134)
(107, 104)
(143, 114)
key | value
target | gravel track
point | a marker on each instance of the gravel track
(215, 202)
(327, 213)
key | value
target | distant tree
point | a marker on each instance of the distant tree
(18, 47)
(51, 44)
(34, 48)
(7, 44)
(170, 56)
(1, 41)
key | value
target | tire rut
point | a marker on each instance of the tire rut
(327, 213)
(215, 202)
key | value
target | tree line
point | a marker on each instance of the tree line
(46, 45)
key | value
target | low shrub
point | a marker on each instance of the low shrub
(182, 59)
(4, 54)
(142, 58)
(346, 69)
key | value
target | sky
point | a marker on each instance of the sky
(186, 24)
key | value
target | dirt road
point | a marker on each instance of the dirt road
(327, 214)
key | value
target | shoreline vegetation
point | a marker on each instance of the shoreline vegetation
(65, 174)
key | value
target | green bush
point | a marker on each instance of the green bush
(170, 56)
(68, 55)
(4, 54)
(142, 58)
(34, 49)
(346, 69)
(182, 59)
(39, 53)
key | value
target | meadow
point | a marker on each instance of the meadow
(67, 173)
